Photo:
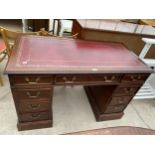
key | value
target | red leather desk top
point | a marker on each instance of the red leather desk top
(35, 54)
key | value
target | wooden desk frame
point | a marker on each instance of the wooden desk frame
(109, 90)
(35, 96)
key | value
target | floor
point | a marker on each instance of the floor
(72, 112)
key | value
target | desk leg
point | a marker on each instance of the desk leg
(100, 104)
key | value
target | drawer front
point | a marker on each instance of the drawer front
(33, 94)
(33, 106)
(30, 117)
(135, 78)
(120, 100)
(30, 80)
(125, 91)
(113, 109)
(88, 79)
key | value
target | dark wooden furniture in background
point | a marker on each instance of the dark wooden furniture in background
(150, 22)
(37, 24)
(116, 31)
(110, 74)
(121, 130)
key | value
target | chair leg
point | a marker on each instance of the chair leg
(61, 32)
(1, 81)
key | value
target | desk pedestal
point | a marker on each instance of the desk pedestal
(100, 116)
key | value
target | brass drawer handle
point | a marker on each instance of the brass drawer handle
(121, 100)
(33, 96)
(128, 90)
(135, 78)
(35, 115)
(34, 106)
(69, 81)
(117, 108)
(32, 82)
(110, 79)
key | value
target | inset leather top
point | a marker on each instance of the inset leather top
(36, 54)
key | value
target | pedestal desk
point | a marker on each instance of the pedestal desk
(109, 72)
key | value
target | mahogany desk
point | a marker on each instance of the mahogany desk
(109, 72)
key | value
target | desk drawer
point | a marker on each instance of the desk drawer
(125, 91)
(113, 109)
(120, 100)
(33, 106)
(30, 80)
(30, 117)
(135, 78)
(88, 79)
(32, 94)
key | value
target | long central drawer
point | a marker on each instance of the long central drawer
(87, 79)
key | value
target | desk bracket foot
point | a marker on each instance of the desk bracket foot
(34, 125)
